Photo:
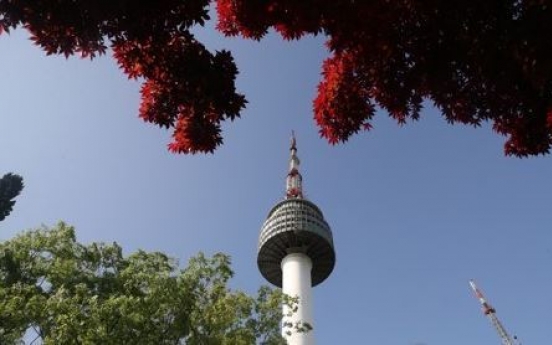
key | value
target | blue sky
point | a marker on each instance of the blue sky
(416, 211)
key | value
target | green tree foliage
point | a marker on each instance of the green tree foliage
(70, 293)
(10, 187)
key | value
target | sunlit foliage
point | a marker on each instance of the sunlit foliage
(64, 292)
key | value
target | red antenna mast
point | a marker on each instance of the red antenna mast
(490, 312)
(294, 180)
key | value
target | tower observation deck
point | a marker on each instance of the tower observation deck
(295, 226)
(296, 250)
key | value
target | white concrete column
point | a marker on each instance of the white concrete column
(296, 282)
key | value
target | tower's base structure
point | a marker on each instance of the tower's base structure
(296, 279)
(296, 253)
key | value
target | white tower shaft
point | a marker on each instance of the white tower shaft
(296, 282)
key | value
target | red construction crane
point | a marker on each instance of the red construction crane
(490, 312)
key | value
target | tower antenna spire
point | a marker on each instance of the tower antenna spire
(294, 180)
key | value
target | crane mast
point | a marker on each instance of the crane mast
(490, 312)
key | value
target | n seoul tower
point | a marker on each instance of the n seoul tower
(296, 251)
